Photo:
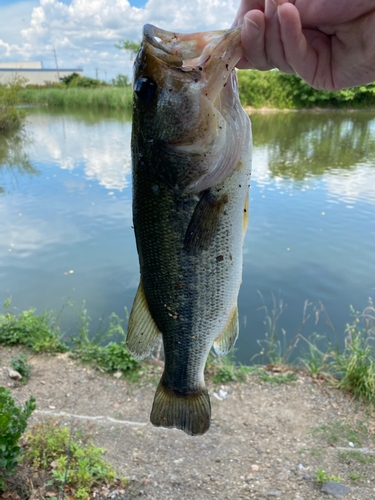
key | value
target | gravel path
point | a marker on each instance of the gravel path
(266, 441)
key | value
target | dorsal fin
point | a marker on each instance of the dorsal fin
(142, 330)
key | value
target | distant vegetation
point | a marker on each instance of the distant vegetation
(101, 97)
(277, 90)
(10, 116)
(258, 89)
(76, 91)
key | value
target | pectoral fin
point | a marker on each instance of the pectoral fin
(204, 223)
(227, 339)
(142, 330)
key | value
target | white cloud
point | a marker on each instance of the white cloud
(83, 30)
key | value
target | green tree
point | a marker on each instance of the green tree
(132, 47)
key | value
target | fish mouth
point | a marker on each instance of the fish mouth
(190, 50)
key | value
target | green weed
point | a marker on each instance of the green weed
(276, 378)
(355, 364)
(39, 333)
(354, 476)
(22, 367)
(313, 359)
(110, 358)
(355, 456)
(13, 422)
(223, 369)
(338, 432)
(46, 447)
(322, 477)
(111, 329)
(316, 453)
(272, 347)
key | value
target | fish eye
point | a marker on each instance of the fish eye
(145, 89)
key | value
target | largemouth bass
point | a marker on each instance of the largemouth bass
(191, 151)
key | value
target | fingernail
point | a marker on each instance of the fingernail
(250, 23)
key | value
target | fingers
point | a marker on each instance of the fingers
(307, 52)
(246, 6)
(274, 47)
(252, 38)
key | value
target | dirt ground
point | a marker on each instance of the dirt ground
(266, 441)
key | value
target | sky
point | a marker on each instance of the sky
(84, 32)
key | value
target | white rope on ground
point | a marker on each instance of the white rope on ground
(84, 417)
(361, 450)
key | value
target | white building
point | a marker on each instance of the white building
(32, 72)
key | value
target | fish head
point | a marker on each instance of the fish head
(186, 103)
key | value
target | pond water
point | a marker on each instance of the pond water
(65, 204)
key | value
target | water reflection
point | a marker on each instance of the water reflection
(14, 159)
(303, 144)
(311, 216)
(98, 142)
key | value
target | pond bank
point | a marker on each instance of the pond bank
(266, 440)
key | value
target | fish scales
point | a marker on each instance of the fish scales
(188, 217)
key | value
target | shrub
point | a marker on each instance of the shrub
(46, 446)
(121, 81)
(277, 90)
(84, 81)
(13, 422)
(110, 358)
(39, 333)
(10, 116)
(67, 79)
(22, 367)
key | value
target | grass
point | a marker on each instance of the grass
(322, 477)
(354, 476)
(45, 448)
(101, 97)
(340, 432)
(354, 456)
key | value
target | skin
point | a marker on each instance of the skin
(329, 43)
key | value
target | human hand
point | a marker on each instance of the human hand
(330, 44)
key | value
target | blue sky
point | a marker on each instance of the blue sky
(84, 32)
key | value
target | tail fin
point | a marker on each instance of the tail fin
(189, 412)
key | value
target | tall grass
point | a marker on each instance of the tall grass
(10, 116)
(101, 97)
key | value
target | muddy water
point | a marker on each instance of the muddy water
(65, 205)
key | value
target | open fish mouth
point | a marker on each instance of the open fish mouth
(193, 49)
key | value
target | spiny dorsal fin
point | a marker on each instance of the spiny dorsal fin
(227, 339)
(142, 330)
(246, 215)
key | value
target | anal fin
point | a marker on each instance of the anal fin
(227, 339)
(142, 330)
